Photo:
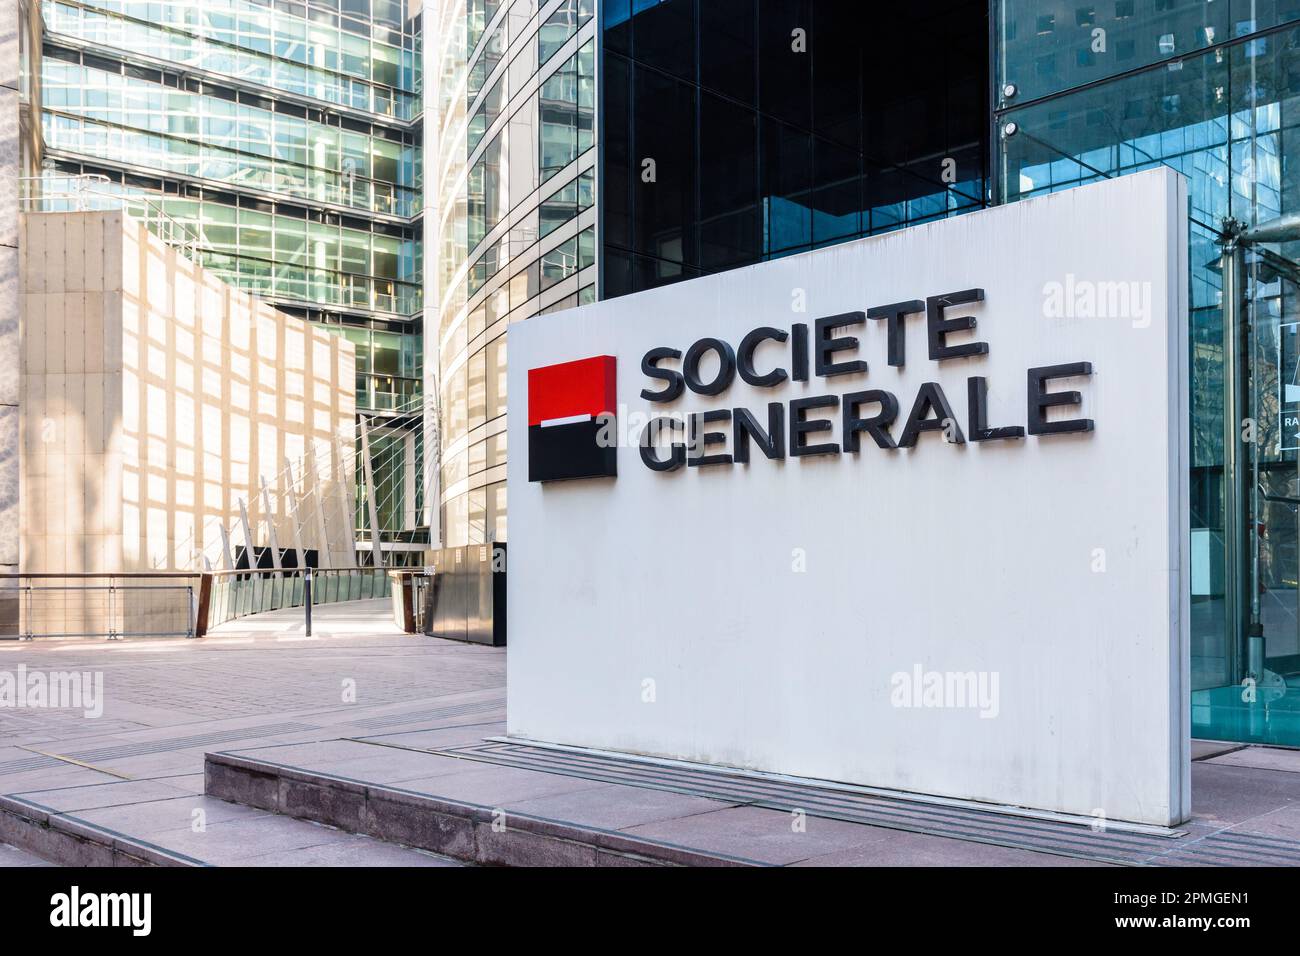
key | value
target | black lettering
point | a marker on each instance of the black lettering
(649, 439)
(650, 368)
(701, 438)
(1040, 400)
(930, 398)
(726, 366)
(744, 427)
(937, 327)
(745, 358)
(828, 344)
(799, 352)
(799, 426)
(977, 413)
(893, 314)
(877, 426)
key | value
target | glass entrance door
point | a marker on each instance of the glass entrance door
(1249, 671)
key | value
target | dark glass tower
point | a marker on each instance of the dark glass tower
(741, 130)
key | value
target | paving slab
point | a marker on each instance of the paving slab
(136, 772)
(453, 736)
(1225, 794)
(760, 834)
(356, 852)
(254, 834)
(617, 807)
(900, 848)
(1260, 758)
(12, 856)
(114, 793)
(494, 786)
(160, 816)
(1283, 822)
(252, 688)
(1203, 749)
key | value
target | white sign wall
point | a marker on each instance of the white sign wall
(1001, 620)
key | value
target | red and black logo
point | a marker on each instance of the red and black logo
(568, 407)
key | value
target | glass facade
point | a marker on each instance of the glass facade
(770, 129)
(1212, 89)
(740, 130)
(515, 183)
(284, 137)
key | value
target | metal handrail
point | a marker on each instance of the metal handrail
(1281, 499)
(101, 574)
(240, 592)
(90, 191)
(113, 605)
(202, 599)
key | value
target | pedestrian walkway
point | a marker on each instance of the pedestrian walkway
(134, 774)
(363, 745)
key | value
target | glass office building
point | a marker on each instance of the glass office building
(594, 149)
(1095, 90)
(742, 130)
(515, 230)
(284, 134)
(284, 139)
(591, 149)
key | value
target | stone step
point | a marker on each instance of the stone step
(475, 833)
(160, 833)
(11, 856)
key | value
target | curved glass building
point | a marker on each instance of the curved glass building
(593, 149)
(514, 183)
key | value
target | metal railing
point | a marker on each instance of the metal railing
(89, 604)
(166, 603)
(86, 192)
(236, 594)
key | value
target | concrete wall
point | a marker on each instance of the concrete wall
(155, 397)
(14, 41)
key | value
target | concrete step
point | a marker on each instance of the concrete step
(189, 830)
(472, 832)
(13, 857)
(498, 801)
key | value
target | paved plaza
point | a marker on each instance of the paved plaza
(138, 768)
(409, 718)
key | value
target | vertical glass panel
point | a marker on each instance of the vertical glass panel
(1225, 119)
(728, 54)
(665, 217)
(786, 175)
(1048, 48)
(495, 358)
(730, 220)
(663, 37)
(560, 25)
(558, 110)
(785, 68)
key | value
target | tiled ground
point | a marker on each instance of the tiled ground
(1247, 809)
(9, 856)
(363, 701)
(138, 768)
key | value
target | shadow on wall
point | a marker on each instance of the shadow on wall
(154, 399)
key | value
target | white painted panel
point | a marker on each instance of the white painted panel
(1053, 564)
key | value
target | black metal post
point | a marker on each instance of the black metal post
(306, 597)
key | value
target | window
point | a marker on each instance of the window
(567, 111)
(560, 25)
(566, 202)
